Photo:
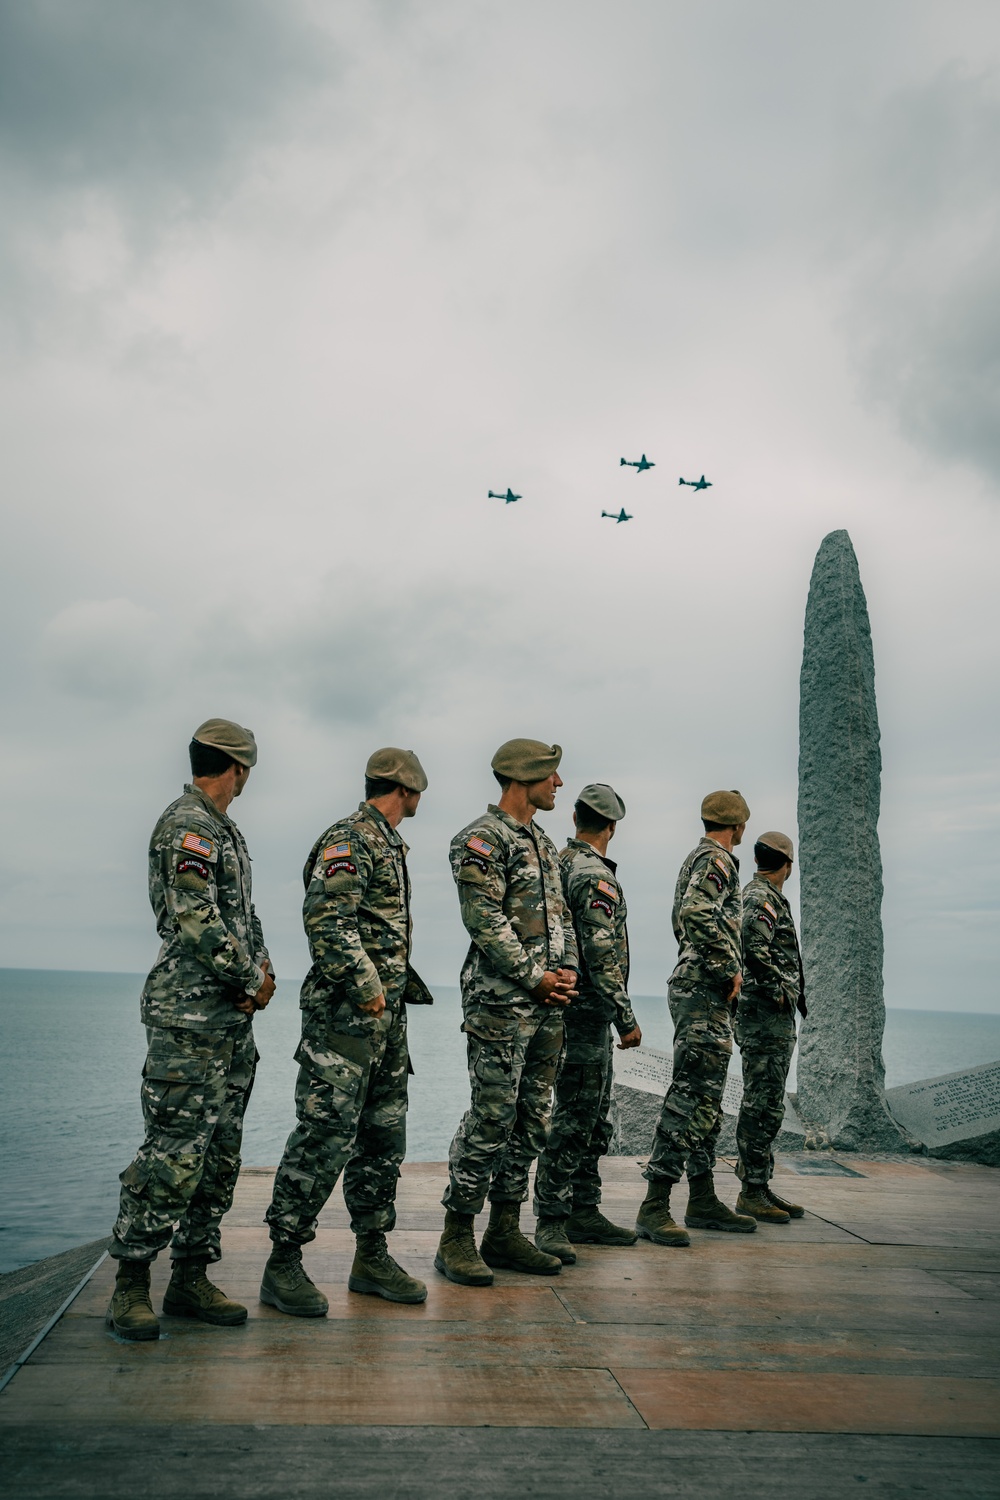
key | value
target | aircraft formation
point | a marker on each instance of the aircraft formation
(640, 465)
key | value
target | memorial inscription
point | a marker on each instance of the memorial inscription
(955, 1110)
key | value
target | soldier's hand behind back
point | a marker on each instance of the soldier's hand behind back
(733, 993)
(631, 1038)
(374, 1007)
(263, 995)
(556, 987)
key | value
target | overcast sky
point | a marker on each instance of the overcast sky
(287, 287)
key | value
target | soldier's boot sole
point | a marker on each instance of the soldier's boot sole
(732, 1224)
(134, 1335)
(676, 1237)
(176, 1307)
(375, 1289)
(462, 1278)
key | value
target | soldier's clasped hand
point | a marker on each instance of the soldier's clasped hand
(374, 1007)
(630, 1039)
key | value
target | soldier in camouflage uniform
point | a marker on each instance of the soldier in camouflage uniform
(519, 972)
(211, 974)
(773, 989)
(350, 1096)
(702, 994)
(568, 1180)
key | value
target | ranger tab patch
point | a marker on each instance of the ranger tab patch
(340, 867)
(608, 889)
(481, 846)
(198, 845)
(337, 851)
(193, 867)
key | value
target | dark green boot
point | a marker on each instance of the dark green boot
(131, 1313)
(457, 1256)
(588, 1226)
(286, 1286)
(374, 1271)
(654, 1221)
(505, 1246)
(191, 1295)
(754, 1200)
(550, 1238)
(707, 1211)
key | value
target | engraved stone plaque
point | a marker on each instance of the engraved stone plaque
(956, 1115)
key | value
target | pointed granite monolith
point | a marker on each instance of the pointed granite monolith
(841, 1076)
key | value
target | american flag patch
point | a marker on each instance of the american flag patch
(197, 845)
(770, 908)
(722, 866)
(481, 846)
(336, 851)
(609, 890)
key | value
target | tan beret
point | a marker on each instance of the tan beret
(401, 766)
(232, 739)
(725, 808)
(526, 760)
(604, 800)
(779, 841)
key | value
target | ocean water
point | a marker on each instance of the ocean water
(73, 1049)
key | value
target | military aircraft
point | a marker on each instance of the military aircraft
(508, 498)
(638, 464)
(622, 515)
(697, 484)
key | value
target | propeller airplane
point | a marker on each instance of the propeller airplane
(507, 499)
(622, 515)
(697, 484)
(638, 464)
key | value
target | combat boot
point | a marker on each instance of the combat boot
(191, 1295)
(457, 1256)
(286, 1286)
(588, 1226)
(374, 1271)
(131, 1313)
(793, 1210)
(753, 1200)
(550, 1238)
(654, 1220)
(505, 1246)
(705, 1210)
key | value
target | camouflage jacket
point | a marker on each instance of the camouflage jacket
(708, 917)
(511, 896)
(356, 914)
(773, 963)
(596, 903)
(199, 889)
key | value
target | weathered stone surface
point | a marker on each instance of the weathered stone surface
(642, 1077)
(956, 1116)
(841, 1078)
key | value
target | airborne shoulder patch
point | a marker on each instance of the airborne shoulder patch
(337, 851)
(609, 889)
(480, 846)
(196, 844)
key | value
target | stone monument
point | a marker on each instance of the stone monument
(841, 1078)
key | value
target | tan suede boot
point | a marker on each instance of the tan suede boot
(457, 1256)
(131, 1314)
(706, 1210)
(191, 1295)
(505, 1246)
(286, 1286)
(550, 1238)
(374, 1271)
(654, 1220)
(754, 1200)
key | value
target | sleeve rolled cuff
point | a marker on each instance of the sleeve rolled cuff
(254, 984)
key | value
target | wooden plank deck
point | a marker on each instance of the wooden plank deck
(878, 1315)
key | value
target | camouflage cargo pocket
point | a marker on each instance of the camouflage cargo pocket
(341, 1074)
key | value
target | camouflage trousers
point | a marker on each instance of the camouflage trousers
(350, 1102)
(513, 1053)
(765, 1036)
(568, 1174)
(195, 1087)
(691, 1117)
